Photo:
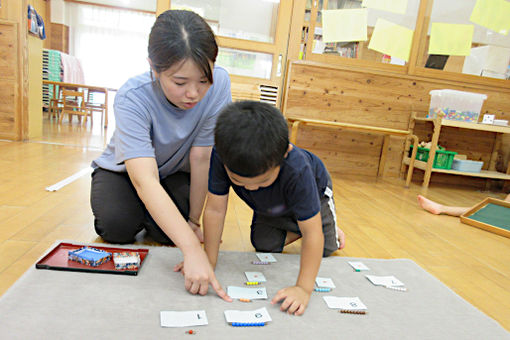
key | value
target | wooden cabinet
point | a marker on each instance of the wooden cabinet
(438, 123)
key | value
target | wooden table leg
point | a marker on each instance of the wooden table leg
(294, 131)
(411, 161)
(384, 153)
(105, 108)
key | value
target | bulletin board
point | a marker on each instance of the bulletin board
(491, 214)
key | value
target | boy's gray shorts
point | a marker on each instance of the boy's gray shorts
(268, 233)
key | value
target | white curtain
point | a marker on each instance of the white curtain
(111, 44)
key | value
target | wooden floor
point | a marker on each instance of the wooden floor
(381, 219)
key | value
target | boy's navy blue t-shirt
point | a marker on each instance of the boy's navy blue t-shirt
(296, 192)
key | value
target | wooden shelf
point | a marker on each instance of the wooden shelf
(440, 122)
(484, 173)
(471, 126)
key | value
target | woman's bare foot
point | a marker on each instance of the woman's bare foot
(431, 206)
(341, 237)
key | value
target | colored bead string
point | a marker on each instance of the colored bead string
(350, 311)
(244, 300)
(400, 289)
(260, 262)
(252, 283)
(322, 289)
(248, 324)
(190, 332)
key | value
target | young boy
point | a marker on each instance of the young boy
(288, 188)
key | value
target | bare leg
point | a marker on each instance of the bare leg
(507, 198)
(291, 237)
(436, 208)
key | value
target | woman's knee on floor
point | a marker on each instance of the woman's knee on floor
(117, 229)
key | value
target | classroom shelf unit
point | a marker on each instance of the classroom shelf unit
(438, 123)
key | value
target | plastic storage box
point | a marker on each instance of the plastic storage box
(442, 160)
(467, 165)
(456, 105)
(90, 256)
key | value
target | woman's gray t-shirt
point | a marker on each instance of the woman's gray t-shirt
(147, 125)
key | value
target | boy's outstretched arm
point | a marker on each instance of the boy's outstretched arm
(214, 219)
(295, 299)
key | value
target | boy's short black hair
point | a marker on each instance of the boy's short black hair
(251, 137)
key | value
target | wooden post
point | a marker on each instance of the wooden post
(420, 35)
(432, 153)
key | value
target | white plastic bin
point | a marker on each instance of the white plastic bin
(456, 105)
(467, 165)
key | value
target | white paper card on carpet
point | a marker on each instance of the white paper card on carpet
(255, 276)
(266, 257)
(344, 303)
(249, 316)
(390, 281)
(324, 282)
(246, 293)
(183, 319)
(358, 266)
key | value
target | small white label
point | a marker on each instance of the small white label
(488, 119)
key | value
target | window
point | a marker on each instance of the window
(488, 51)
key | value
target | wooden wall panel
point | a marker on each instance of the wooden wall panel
(9, 97)
(9, 50)
(8, 108)
(383, 99)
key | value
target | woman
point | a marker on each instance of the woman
(153, 174)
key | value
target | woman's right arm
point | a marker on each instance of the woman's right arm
(214, 220)
(197, 271)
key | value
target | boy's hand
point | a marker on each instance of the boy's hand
(201, 274)
(198, 232)
(295, 299)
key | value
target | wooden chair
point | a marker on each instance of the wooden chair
(97, 105)
(73, 103)
(55, 104)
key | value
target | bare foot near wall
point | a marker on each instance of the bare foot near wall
(431, 206)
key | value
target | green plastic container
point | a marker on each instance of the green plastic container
(443, 159)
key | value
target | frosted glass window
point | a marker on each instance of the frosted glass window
(242, 19)
(245, 63)
(355, 49)
(490, 50)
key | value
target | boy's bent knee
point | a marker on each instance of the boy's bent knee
(264, 247)
(327, 252)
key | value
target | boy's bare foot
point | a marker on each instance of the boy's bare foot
(341, 237)
(431, 206)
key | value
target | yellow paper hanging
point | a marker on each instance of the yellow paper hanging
(450, 39)
(396, 6)
(391, 39)
(344, 25)
(492, 14)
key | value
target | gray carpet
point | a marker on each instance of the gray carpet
(48, 304)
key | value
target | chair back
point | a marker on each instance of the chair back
(73, 100)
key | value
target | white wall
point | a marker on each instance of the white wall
(58, 12)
